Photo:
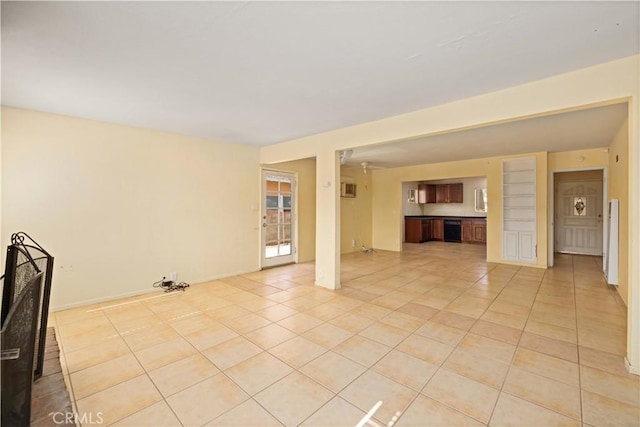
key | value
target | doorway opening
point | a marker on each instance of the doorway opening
(579, 214)
(278, 218)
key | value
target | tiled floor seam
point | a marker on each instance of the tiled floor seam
(575, 307)
(418, 392)
(454, 349)
(221, 371)
(164, 399)
(500, 391)
(441, 366)
(326, 320)
(335, 394)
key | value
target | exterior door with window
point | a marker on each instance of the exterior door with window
(579, 217)
(278, 218)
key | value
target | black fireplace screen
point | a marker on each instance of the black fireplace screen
(26, 288)
(18, 349)
(26, 258)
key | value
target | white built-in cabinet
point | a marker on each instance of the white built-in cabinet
(519, 209)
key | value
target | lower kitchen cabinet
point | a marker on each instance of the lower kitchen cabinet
(437, 229)
(467, 233)
(417, 230)
(413, 230)
(474, 231)
(479, 231)
(426, 230)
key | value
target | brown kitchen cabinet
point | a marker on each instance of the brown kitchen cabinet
(479, 230)
(454, 193)
(442, 193)
(431, 193)
(437, 229)
(413, 230)
(474, 231)
(448, 193)
(426, 230)
(417, 230)
(467, 231)
(426, 193)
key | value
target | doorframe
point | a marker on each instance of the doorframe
(294, 240)
(551, 237)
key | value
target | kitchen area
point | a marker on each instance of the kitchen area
(452, 210)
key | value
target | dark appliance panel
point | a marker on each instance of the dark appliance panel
(453, 230)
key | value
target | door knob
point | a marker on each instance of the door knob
(264, 224)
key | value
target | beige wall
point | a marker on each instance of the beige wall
(119, 207)
(355, 213)
(306, 170)
(619, 189)
(578, 159)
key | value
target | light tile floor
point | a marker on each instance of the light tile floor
(438, 334)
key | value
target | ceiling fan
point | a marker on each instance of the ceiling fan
(366, 166)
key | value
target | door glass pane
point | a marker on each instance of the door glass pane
(278, 220)
(272, 202)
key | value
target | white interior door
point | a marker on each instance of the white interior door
(278, 218)
(579, 217)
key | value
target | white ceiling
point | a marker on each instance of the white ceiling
(265, 72)
(589, 128)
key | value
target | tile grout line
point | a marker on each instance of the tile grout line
(441, 366)
(575, 307)
(504, 380)
(375, 320)
(146, 373)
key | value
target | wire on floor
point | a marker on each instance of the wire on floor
(170, 285)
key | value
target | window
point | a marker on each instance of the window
(481, 199)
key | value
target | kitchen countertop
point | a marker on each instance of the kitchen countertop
(443, 217)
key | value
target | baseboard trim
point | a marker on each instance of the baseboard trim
(635, 370)
(138, 292)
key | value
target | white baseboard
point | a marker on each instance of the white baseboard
(632, 369)
(138, 292)
(101, 299)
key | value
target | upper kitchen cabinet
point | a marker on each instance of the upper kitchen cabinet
(455, 193)
(427, 193)
(449, 193)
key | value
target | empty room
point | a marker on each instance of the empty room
(320, 213)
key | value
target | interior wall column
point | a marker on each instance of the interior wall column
(328, 219)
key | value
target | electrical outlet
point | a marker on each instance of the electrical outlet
(173, 276)
(353, 243)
